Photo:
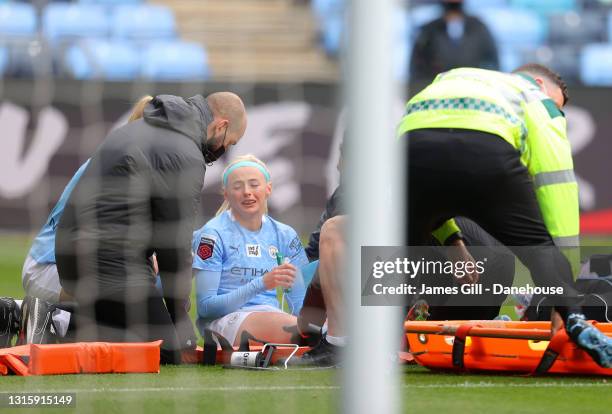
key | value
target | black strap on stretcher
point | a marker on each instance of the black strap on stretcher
(459, 345)
(549, 357)
(552, 352)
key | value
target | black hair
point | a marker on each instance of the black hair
(452, 6)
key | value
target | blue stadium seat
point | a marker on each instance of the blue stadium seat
(330, 14)
(546, 6)
(111, 2)
(509, 59)
(401, 63)
(421, 15)
(609, 26)
(174, 61)
(333, 28)
(64, 21)
(17, 19)
(472, 6)
(4, 60)
(332, 34)
(576, 28)
(102, 59)
(143, 22)
(596, 64)
(326, 8)
(563, 59)
(514, 27)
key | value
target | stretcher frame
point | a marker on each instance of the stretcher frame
(499, 346)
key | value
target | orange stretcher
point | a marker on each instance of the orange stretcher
(80, 357)
(520, 347)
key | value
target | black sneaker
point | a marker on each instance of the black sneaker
(322, 355)
(37, 326)
(9, 321)
(590, 339)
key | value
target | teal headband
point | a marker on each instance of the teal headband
(241, 164)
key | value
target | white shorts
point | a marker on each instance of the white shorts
(228, 325)
(41, 280)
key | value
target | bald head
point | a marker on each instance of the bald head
(227, 106)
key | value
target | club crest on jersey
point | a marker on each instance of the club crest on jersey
(272, 251)
(253, 250)
(206, 248)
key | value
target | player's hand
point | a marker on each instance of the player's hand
(155, 265)
(283, 276)
(556, 322)
(460, 253)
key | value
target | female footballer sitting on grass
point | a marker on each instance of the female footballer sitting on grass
(242, 255)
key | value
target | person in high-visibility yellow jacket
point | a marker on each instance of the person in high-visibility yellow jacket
(493, 147)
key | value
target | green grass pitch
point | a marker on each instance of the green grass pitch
(197, 389)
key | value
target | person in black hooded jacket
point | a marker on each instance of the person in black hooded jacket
(138, 196)
(451, 41)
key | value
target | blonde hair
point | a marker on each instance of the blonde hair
(249, 157)
(138, 108)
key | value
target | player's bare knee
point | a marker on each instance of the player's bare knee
(332, 232)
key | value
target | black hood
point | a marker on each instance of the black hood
(189, 116)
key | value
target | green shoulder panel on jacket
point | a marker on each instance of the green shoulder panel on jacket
(551, 108)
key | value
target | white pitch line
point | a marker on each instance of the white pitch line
(470, 385)
(190, 389)
(513, 385)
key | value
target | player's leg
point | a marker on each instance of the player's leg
(265, 327)
(313, 314)
(332, 248)
(41, 280)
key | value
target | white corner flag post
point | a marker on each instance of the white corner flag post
(374, 176)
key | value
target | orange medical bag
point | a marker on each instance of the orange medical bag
(80, 357)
